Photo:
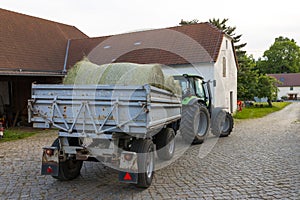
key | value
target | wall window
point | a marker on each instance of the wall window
(291, 88)
(224, 67)
(226, 44)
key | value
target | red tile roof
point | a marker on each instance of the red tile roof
(287, 80)
(33, 44)
(195, 43)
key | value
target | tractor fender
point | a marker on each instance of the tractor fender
(190, 100)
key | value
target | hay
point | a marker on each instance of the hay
(132, 74)
(85, 72)
(172, 85)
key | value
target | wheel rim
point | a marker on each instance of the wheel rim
(226, 125)
(150, 165)
(201, 122)
(171, 146)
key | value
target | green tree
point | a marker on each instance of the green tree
(266, 87)
(230, 30)
(247, 78)
(183, 22)
(282, 57)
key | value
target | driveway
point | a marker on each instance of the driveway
(260, 160)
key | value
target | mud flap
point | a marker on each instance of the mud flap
(50, 162)
(128, 167)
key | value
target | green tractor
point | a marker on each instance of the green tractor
(198, 113)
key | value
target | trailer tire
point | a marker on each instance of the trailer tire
(145, 154)
(195, 123)
(165, 144)
(222, 124)
(69, 169)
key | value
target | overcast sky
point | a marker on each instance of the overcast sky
(259, 21)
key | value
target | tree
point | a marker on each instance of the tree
(266, 87)
(194, 21)
(229, 30)
(282, 57)
(247, 78)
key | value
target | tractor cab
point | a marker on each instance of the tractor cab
(194, 86)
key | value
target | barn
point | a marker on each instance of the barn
(199, 49)
(40, 50)
(32, 50)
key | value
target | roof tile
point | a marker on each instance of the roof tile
(32, 43)
(287, 80)
(176, 45)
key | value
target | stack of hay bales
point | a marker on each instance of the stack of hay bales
(85, 72)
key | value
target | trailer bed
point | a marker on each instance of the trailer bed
(94, 110)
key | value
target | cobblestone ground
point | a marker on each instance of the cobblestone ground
(260, 160)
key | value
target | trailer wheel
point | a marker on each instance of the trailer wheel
(195, 123)
(145, 150)
(165, 144)
(68, 170)
(222, 124)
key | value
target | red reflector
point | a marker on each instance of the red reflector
(49, 170)
(127, 177)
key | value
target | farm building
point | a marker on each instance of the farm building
(199, 49)
(289, 86)
(32, 50)
(39, 50)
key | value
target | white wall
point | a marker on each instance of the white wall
(227, 84)
(284, 91)
(214, 72)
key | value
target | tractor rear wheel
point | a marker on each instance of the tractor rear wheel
(195, 123)
(222, 123)
(165, 143)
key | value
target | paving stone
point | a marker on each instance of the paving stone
(259, 160)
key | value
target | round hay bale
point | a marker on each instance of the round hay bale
(133, 74)
(172, 85)
(84, 72)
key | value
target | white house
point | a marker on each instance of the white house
(289, 87)
(199, 49)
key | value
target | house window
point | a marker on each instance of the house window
(291, 88)
(224, 67)
(226, 44)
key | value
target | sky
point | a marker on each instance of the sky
(259, 21)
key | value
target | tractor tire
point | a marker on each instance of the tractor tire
(222, 124)
(68, 170)
(195, 123)
(145, 154)
(165, 144)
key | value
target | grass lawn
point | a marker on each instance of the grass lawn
(17, 133)
(260, 110)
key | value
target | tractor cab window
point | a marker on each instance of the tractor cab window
(187, 86)
(199, 89)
